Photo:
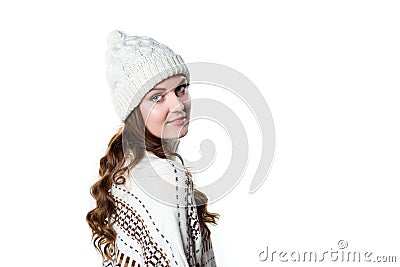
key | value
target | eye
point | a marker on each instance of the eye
(153, 98)
(181, 90)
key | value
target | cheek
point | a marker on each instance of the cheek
(156, 119)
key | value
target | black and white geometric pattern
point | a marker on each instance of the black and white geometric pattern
(154, 235)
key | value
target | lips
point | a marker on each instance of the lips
(180, 118)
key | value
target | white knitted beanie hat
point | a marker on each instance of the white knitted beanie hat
(135, 64)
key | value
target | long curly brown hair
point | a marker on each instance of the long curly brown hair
(131, 140)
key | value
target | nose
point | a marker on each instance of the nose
(175, 102)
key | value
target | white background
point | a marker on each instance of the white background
(329, 71)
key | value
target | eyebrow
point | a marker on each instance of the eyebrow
(180, 83)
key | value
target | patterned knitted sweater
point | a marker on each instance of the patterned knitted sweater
(151, 232)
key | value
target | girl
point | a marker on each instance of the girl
(148, 212)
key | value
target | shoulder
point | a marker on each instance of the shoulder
(162, 180)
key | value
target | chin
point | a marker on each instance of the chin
(183, 134)
(176, 133)
(184, 130)
(176, 136)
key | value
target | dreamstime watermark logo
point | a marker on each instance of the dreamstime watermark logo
(232, 82)
(341, 254)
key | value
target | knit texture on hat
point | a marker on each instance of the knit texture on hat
(135, 64)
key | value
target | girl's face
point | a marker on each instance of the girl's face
(161, 106)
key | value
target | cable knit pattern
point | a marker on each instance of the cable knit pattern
(156, 218)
